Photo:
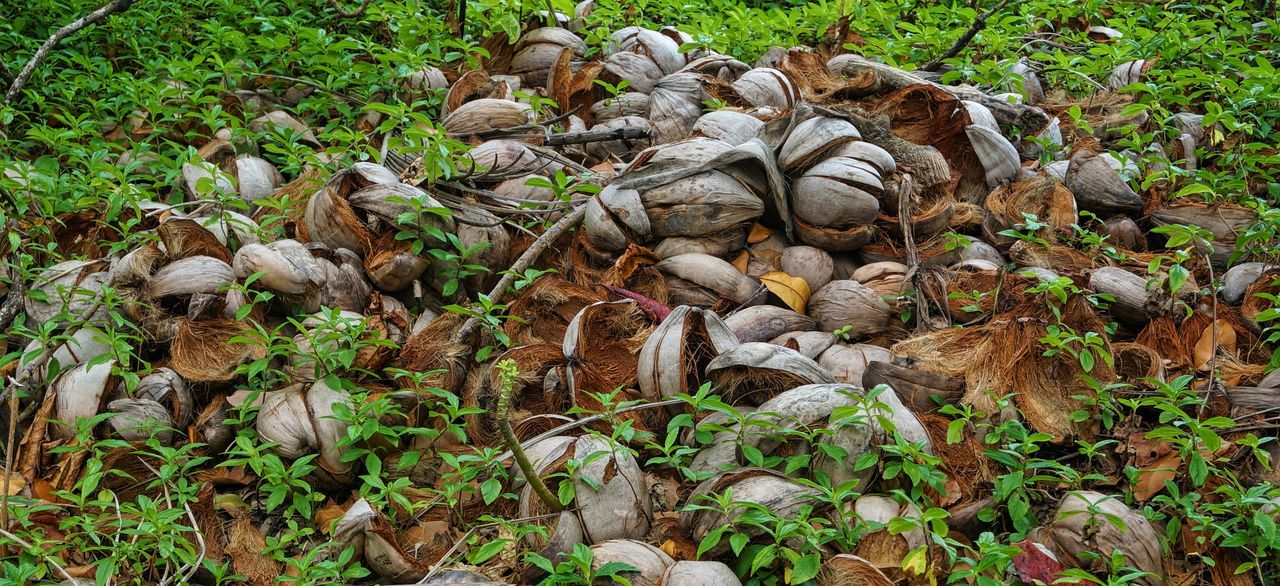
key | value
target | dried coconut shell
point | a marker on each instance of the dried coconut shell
(650, 562)
(1076, 532)
(676, 354)
(847, 363)
(923, 391)
(814, 265)
(762, 323)
(766, 488)
(810, 344)
(850, 303)
(757, 371)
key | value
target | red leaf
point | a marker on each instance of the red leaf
(1035, 565)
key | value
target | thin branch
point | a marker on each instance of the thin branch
(354, 13)
(964, 39)
(42, 53)
(530, 255)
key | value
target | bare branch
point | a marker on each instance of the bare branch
(42, 53)
(354, 13)
(964, 39)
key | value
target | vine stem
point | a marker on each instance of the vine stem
(507, 373)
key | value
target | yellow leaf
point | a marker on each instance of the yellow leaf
(758, 234)
(916, 561)
(794, 291)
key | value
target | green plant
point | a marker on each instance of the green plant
(576, 568)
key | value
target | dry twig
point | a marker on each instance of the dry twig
(42, 53)
(964, 39)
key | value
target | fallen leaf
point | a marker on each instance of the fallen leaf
(758, 234)
(740, 262)
(1151, 479)
(1206, 346)
(16, 483)
(794, 291)
(1035, 565)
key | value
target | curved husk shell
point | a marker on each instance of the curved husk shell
(764, 86)
(137, 420)
(757, 371)
(188, 276)
(287, 267)
(729, 126)
(850, 570)
(923, 391)
(999, 158)
(766, 488)
(712, 273)
(650, 562)
(486, 115)
(762, 323)
(1098, 188)
(675, 355)
(623, 104)
(691, 573)
(1076, 531)
(850, 303)
(80, 393)
(848, 362)
(814, 265)
(661, 49)
(71, 287)
(813, 140)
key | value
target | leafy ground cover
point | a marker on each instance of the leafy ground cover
(307, 414)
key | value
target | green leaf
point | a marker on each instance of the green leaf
(1178, 276)
(805, 568)
(737, 541)
(1199, 469)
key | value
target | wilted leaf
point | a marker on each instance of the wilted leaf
(1151, 479)
(1035, 565)
(1205, 346)
(794, 291)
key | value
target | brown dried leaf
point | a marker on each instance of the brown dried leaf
(1207, 346)
(1151, 479)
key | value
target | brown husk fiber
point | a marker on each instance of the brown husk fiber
(545, 309)
(1005, 357)
(203, 350)
(1135, 361)
(431, 350)
(964, 462)
(1042, 196)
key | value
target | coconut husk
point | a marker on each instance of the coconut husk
(245, 545)
(602, 345)
(1076, 535)
(761, 486)
(850, 570)
(1006, 357)
(1041, 195)
(205, 350)
(817, 85)
(545, 309)
(635, 271)
(676, 354)
(431, 351)
(928, 115)
(757, 371)
(1135, 362)
(929, 217)
(1161, 335)
(922, 391)
(183, 238)
(967, 467)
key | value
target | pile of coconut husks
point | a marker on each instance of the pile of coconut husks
(791, 232)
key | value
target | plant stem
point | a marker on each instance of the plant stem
(507, 374)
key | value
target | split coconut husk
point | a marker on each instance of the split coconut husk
(1088, 522)
(675, 355)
